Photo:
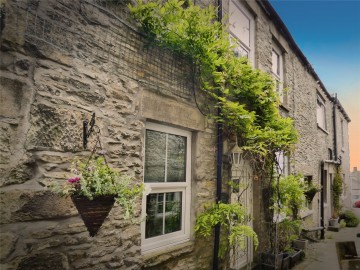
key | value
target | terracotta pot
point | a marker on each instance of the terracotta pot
(93, 212)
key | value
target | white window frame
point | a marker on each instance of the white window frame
(283, 161)
(241, 46)
(278, 74)
(162, 241)
(320, 112)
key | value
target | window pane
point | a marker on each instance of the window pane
(176, 158)
(239, 24)
(155, 153)
(158, 215)
(275, 63)
(173, 212)
(154, 215)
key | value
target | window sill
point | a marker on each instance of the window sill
(156, 257)
(284, 107)
(323, 130)
(306, 213)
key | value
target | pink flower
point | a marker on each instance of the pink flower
(74, 179)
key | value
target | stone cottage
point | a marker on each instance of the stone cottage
(63, 60)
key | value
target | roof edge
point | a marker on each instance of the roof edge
(271, 12)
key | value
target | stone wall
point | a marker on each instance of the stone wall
(60, 61)
(300, 103)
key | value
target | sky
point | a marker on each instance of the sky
(328, 33)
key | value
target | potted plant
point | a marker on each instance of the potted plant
(311, 191)
(95, 187)
(334, 220)
(287, 199)
(336, 194)
(233, 218)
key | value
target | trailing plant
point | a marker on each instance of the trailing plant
(349, 218)
(287, 231)
(337, 190)
(310, 191)
(289, 195)
(246, 97)
(234, 218)
(95, 178)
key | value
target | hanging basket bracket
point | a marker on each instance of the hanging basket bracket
(87, 132)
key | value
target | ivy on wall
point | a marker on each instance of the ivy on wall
(248, 102)
(246, 96)
(337, 189)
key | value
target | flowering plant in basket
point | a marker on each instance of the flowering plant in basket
(95, 178)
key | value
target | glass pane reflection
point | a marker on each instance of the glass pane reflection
(163, 216)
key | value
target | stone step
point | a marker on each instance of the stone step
(333, 228)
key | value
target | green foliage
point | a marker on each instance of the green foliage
(248, 102)
(337, 189)
(96, 178)
(233, 218)
(350, 219)
(289, 195)
(342, 223)
(288, 230)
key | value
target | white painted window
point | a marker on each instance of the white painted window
(242, 29)
(277, 69)
(167, 172)
(283, 163)
(320, 113)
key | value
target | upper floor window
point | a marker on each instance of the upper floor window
(242, 29)
(167, 172)
(277, 70)
(320, 113)
(283, 163)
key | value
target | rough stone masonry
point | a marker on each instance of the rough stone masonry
(60, 61)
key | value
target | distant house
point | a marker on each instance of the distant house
(355, 191)
(62, 60)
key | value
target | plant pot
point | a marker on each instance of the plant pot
(295, 257)
(93, 212)
(333, 222)
(300, 244)
(285, 264)
(271, 261)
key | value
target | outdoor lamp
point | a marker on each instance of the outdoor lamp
(235, 156)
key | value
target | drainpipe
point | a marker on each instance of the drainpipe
(322, 212)
(334, 127)
(218, 170)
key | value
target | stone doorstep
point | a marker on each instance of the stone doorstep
(333, 228)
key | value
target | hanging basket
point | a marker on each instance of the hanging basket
(93, 212)
(310, 194)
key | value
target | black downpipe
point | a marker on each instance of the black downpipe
(334, 127)
(218, 170)
(322, 212)
(218, 191)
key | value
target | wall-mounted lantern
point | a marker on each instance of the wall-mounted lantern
(236, 160)
(235, 156)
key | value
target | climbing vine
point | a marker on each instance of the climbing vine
(246, 96)
(248, 102)
(337, 191)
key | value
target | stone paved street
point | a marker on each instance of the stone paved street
(323, 255)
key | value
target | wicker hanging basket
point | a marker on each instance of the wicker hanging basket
(310, 194)
(93, 212)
